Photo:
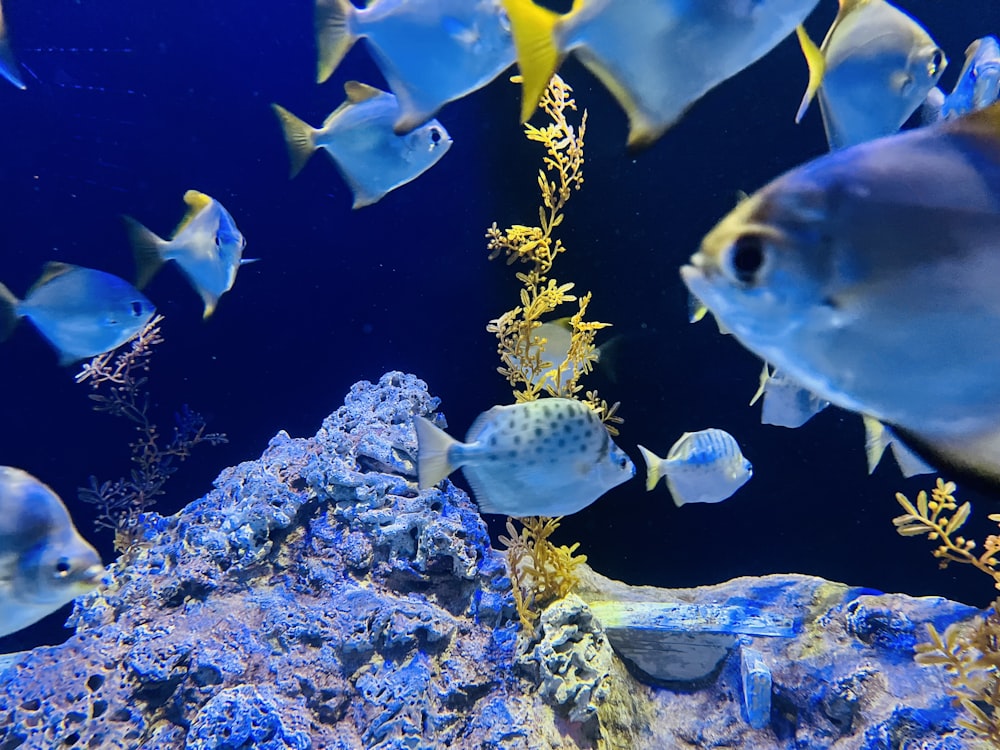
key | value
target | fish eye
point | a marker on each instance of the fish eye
(435, 135)
(745, 259)
(623, 463)
(136, 308)
(937, 63)
(63, 567)
(217, 241)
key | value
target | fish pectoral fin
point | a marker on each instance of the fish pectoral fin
(334, 37)
(817, 69)
(533, 29)
(147, 249)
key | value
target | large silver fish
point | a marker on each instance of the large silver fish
(430, 51)
(44, 562)
(874, 68)
(550, 457)
(656, 57)
(870, 276)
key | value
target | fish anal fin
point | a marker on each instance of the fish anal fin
(533, 29)
(334, 37)
(147, 249)
(817, 69)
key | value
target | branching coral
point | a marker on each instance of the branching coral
(540, 572)
(123, 376)
(969, 653)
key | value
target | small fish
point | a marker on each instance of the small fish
(9, 68)
(358, 136)
(557, 336)
(878, 437)
(44, 562)
(979, 82)
(702, 467)
(431, 52)
(786, 403)
(206, 245)
(656, 57)
(82, 312)
(874, 68)
(868, 276)
(550, 457)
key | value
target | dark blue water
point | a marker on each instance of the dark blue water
(130, 104)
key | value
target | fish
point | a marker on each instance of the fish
(44, 562)
(359, 138)
(701, 467)
(82, 312)
(878, 437)
(655, 57)
(206, 245)
(978, 84)
(9, 67)
(555, 337)
(868, 276)
(874, 68)
(549, 457)
(430, 52)
(786, 403)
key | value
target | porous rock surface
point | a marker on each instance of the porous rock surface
(315, 599)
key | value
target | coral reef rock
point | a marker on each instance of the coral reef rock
(315, 599)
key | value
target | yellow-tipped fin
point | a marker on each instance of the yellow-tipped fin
(196, 203)
(817, 69)
(358, 92)
(147, 249)
(533, 29)
(334, 37)
(877, 440)
(8, 312)
(300, 139)
(654, 466)
(433, 447)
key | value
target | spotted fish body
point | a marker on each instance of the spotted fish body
(550, 457)
(44, 562)
(702, 467)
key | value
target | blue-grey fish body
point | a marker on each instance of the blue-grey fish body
(44, 562)
(656, 57)
(431, 52)
(978, 84)
(359, 138)
(80, 311)
(9, 68)
(550, 457)
(874, 68)
(869, 276)
(702, 467)
(206, 245)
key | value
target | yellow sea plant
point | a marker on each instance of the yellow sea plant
(968, 652)
(540, 571)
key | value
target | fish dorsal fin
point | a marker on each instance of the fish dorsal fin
(817, 67)
(51, 270)
(849, 6)
(358, 92)
(982, 123)
(196, 203)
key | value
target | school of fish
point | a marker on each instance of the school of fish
(864, 279)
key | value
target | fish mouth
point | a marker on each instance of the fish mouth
(93, 576)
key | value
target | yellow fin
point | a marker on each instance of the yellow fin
(334, 37)
(765, 375)
(533, 29)
(146, 249)
(358, 92)
(8, 312)
(653, 463)
(300, 139)
(817, 68)
(196, 202)
(876, 441)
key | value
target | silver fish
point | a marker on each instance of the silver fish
(550, 457)
(656, 57)
(431, 52)
(82, 312)
(44, 562)
(358, 136)
(874, 68)
(701, 467)
(869, 277)
(206, 245)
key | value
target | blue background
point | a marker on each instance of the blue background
(130, 104)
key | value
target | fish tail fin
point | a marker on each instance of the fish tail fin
(300, 138)
(433, 447)
(817, 68)
(654, 467)
(533, 29)
(147, 249)
(334, 36)
(8, 312)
